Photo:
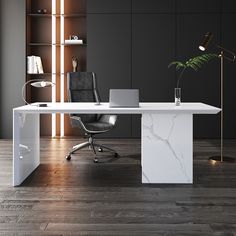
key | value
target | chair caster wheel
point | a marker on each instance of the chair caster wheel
(95, 160)
(116, 154)
(100, 149)
(68, 157)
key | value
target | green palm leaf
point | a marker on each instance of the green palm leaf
(178, 64)
(194, 63)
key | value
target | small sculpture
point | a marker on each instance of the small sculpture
(74, 64)
(42, 11)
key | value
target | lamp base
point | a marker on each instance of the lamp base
(42, 105)
(218, 159)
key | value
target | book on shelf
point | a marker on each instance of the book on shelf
(34, 65)
(74, 41)
(39, 65)
(31, 66)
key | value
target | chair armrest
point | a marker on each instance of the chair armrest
(81, 124)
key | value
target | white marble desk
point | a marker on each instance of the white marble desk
(167, 137)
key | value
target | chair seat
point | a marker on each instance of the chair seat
(98, 126)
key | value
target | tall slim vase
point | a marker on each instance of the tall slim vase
(177, 96)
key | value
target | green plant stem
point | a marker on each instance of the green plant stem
(181, 74)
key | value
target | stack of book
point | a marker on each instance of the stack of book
(34, 65)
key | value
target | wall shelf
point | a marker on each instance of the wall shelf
(46, 74)
(57, 15)
(46, 34)
(39, 44)
(39, 15)
(73, 44)
(57, 44)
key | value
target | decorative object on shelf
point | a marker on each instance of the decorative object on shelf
(231, 57)
(42, 11)
(195, 64)
(34, 65)
(38, 84)
(73, 37)
(74, 64)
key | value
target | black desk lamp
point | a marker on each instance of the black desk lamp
(38, 84)
(207, 38)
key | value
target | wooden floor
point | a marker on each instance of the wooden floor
(83, 198)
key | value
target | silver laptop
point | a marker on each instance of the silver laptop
(124, 98)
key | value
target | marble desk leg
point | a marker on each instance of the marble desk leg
(26, 145)
(167, 148)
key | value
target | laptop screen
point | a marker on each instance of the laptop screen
(124, 98)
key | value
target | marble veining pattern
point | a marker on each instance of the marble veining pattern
(162, 131)
(166, 141)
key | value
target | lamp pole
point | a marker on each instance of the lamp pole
(222, 55)
(231, 57)
(221, 104)
(23, 90)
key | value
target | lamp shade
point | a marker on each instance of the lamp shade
(42, 84)
(207, 38)
(38, 84)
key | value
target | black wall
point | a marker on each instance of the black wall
(131, 42)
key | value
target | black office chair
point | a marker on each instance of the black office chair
(82, 88)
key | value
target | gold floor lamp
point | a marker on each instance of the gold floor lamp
(207, 38)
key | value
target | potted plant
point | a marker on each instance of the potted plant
(195, 64)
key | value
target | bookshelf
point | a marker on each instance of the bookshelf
(45, 37)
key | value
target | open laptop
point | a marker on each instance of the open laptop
(124, 98)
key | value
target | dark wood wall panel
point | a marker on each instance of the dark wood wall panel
(80, 53)
(228, 41)
(75, 51)
(109, 6)
(109, 55)
(200, 6)
(202, 86)
(45, 125)
(152, 50)
(229, 6)
(75, 6)
(75, 26)
(38, 41)
(35, 5)
(153, 43)
(162, 31)
(45, 53)
(153, 6)
(43, 25)
(109, 50)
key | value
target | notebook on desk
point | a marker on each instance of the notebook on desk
(124, 98)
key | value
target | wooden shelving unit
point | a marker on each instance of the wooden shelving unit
(39, 15)
(46, 34)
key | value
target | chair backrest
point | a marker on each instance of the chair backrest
(82, 88)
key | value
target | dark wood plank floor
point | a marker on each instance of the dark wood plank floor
(83, 198)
